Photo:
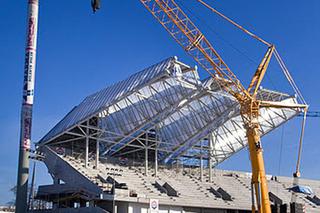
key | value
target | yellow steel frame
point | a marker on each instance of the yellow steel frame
(191, 39)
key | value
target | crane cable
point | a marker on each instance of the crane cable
(296, 175)
(234, 23)
(279, 59)
(300, 143)
(245, 55)
(289, 77)
(281, 149)
(217, 34)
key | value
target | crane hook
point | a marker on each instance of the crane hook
(95, 4)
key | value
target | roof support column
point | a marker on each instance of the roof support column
(146, 156)
(201, 163)
(87, 146)
(210, 156)
(156, 161)
(97, 154)
(156, 152)
(72, 148)
(56, 181)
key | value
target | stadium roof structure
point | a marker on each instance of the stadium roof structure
(168, 103)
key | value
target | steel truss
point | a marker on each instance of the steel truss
(180, 112)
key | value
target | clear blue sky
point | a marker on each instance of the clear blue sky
(79, 53)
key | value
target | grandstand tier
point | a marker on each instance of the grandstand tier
(124, 186)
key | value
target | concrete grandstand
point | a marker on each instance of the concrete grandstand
(159, 135)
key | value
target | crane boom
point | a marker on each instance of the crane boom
(191, 39)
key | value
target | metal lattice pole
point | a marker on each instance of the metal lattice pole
(27, 105)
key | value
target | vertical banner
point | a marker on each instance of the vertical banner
(29, 74)
(154, 205)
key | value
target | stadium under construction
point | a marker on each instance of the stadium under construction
(156, 137)
(151, 142)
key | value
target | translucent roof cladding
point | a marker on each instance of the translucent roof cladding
(195, 119)
(144, 109)
(169, 98)
(211, 110)
(111, 95)
(231, 136)
(228, 133)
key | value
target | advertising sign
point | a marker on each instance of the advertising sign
(154, 206)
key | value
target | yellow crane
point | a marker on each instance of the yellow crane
(191, 39)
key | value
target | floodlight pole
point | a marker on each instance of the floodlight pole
(27, 105)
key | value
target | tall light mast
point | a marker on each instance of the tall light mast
(27, 105)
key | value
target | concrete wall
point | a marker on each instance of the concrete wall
(70, 210)
(144, 208)
(60, 169)
(122, 207)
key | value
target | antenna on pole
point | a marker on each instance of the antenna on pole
(27, 105)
